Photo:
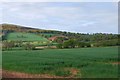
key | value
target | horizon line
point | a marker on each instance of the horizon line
(57, 29)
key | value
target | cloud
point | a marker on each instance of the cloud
(88, 23)
(75, 17)
(60, 0)
(40, 11)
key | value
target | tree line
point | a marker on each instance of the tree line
(72, 43)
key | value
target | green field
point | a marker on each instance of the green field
(25, 37)
(90, 62)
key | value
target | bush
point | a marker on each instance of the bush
(29, 46)
(73, 43)
(87, 44)
(69, 44)
(59, 46)
(81, 44)
(8, 45)
(107, 43)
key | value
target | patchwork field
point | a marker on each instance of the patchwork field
(82, 62)
(25, 37)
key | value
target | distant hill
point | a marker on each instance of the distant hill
(51, 34)
(18, 28)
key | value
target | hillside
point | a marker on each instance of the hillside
(17, 33)
(10, 28)
(25, 37)
(48, 33)
(18, 28)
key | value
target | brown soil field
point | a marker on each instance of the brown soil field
(13, 74)
(0, 73)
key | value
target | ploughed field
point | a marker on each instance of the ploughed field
(82, 62)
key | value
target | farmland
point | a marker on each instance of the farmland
(53, 54)
(88, 62)
(25, 37)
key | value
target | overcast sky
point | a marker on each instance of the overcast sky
(83, 17)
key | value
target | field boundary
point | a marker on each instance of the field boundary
(13, 74)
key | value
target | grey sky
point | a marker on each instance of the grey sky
(83, 17)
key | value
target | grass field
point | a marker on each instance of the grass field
(89, 62)
(25, 37)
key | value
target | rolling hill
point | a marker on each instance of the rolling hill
(17, 32)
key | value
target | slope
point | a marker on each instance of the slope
(14, 36)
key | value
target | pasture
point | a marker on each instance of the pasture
(80, 62)
(25, 37)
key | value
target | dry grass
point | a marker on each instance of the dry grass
(12, 74)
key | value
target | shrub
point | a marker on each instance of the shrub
(59, 46)
(87, 44)
(81, 44)
(29, 46)
(8, 45)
